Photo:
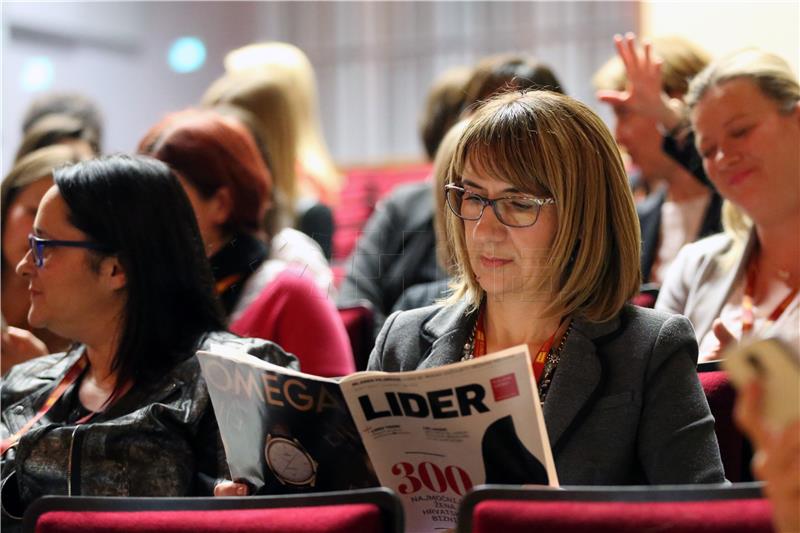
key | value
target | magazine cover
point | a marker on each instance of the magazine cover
(434, 434)
(284, 433)
(429, 435)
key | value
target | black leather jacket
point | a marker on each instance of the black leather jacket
(159, 439)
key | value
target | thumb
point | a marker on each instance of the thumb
(723, 334)
(612, 97)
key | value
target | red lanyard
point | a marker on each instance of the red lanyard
(538, 361)
(72, 374)
(748, 315)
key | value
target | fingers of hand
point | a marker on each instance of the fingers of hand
(230, 488)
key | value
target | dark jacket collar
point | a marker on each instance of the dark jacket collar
(576, 381)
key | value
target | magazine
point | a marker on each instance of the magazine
(429, 435)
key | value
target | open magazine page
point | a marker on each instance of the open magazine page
(283, 431)
(433, 434)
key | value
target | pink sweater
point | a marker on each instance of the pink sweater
(292, 312)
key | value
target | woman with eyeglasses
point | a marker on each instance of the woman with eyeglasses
(546, 242)
(116, 263)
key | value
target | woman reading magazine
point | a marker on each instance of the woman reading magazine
(546, 241)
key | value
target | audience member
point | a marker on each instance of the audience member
(424, 294)
(442, 106)
(116, 263)
(745, 111)
(275, 84)
(776, 460)
(544, 232)
(61, 117)
(398, 248)
(506, 72)
(21, 191)
(645, 88)
(228, 184)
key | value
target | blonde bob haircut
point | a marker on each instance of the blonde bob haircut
(544, 143)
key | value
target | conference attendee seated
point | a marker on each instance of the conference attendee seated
(229, 186)
(645, 89)
(398, 248)
(274, 84)
(745, 111)
(424, 294)
(544, 231)
(116, 262)
(777, 457)
(22, 190)
(62, 118)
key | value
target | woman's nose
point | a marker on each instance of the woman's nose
(25, 267)
(488, 227)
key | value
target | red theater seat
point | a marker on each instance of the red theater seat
(362, 190)
(359, 321)
(364, 511)
(721, 398)
(685, 509)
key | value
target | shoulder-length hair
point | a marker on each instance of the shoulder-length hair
(544, 143)
(135, 208)
(211, 151)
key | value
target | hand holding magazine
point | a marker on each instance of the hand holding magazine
(429, 435)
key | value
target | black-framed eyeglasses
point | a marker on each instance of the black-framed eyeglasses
(517, 211)
(38, 244)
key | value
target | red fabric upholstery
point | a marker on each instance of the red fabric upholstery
(363, 518)
(721, 397)
(359, 323)
(717, 516)
(362, 190)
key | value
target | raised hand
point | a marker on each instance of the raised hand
(643, 93)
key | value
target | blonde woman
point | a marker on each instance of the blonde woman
(745, 111)
(546, 244)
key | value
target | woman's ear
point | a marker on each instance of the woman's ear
(113, 273)
(220, 206)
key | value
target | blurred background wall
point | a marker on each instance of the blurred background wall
(374, 60)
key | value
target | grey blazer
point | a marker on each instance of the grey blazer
(625, 405)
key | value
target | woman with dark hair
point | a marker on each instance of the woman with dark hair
(219, 166)
(116, 263)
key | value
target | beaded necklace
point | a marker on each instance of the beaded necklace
(553, 358)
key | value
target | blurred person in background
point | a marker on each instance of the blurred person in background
(22, 190)
(776, 460)
(218, 163)
(62, 118)
(645, 88)
(274, 82)
(745, 112)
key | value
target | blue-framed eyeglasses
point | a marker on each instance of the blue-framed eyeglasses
(513, 211)
(38, 244)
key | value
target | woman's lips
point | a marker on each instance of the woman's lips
(739, 177)
(494, 262)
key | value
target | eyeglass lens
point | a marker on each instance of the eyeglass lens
(517, 212)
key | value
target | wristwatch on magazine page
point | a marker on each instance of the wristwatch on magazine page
(290, 462)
